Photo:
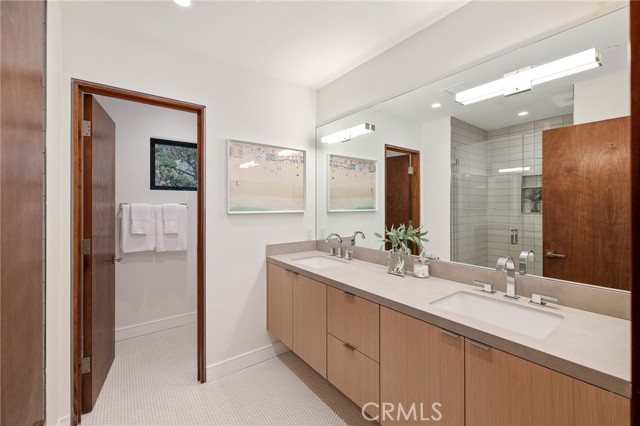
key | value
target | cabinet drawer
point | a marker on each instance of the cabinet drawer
(354, 374)
(355, 321)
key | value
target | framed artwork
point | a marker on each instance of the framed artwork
(265, 178)
(352, 184)
(173, 165)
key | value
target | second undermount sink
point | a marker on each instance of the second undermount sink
(320, 262)
(506, 314)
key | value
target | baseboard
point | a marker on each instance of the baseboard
(154, 326)
(231, 365)
(64, 421)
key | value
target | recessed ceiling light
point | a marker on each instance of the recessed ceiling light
(183, 3)
(523, 113)
(436, 105)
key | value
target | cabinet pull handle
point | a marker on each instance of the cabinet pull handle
(478, 344)
(348, 346)
(346, 293)
(449, 333)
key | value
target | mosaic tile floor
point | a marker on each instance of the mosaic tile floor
(153, 382)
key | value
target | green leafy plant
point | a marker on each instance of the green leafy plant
(402, 237)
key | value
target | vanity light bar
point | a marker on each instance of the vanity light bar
(525, 78)
(349, 133)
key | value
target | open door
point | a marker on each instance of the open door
(98, 230)
(586, 203)
(402, 188)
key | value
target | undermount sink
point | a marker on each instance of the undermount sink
(522, 319)
(320, 262)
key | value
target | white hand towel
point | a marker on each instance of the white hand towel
(141, 219)
(129, 242)
(171, 242)
(171, 214)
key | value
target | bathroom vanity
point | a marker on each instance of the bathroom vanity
(391, 343)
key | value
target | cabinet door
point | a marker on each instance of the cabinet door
(354, 321)
(280, 304)
(310, 322)
(502, 389)
(421, 369)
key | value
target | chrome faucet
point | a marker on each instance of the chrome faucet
(524, 258)
(506, 265)
(335, 251)
(353, 237)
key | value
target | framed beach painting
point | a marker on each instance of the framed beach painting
(173, 165)
(265, 178)
(352, 184)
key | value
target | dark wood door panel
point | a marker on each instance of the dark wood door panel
(586, 210)
(21, 213)
(99, 227)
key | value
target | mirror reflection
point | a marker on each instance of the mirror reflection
(525, 155)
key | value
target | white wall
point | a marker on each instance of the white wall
(154, 290)
(602, 98)
(436, 186)
(240, 105)
(478, 31)
(390, 130)
(57, 302)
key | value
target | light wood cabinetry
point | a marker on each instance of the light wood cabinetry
(355, 321)
(354, 374)
(502, 389)
(310, 322)
(280, 303)
(420, 365)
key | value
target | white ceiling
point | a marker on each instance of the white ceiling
(308, 43)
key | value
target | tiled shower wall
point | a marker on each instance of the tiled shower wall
(486, 204)
(468, 193)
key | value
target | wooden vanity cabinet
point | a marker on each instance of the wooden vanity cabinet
(310, 322)
(420, 365)
(280, 304)
(502, 389)
(353, 348)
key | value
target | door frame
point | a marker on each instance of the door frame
(415, 181)
(79, 88)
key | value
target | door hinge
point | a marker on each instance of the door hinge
(86, 246)
(86, 128)
(85, 367)
(410, 170)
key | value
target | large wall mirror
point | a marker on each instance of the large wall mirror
(525, 152)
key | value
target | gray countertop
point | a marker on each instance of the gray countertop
(590, 347)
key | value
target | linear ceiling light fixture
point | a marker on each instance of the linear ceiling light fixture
(525, 78)
(349, 133)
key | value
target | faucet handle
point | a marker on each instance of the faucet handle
(486, 287)
(348, 254)
(539, 299)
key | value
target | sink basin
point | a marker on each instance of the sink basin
(515, 317)
(320, 262)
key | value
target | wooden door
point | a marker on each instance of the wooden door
(310, 322)
(502, 389)
(99, 269)
(420, 365)
(22, 213)
(280, 304)
(586, 203)
(397, 192)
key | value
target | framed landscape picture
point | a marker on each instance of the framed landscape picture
(265, 178)
(352, 184)
(173, 165)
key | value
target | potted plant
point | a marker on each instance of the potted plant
(401, 238)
